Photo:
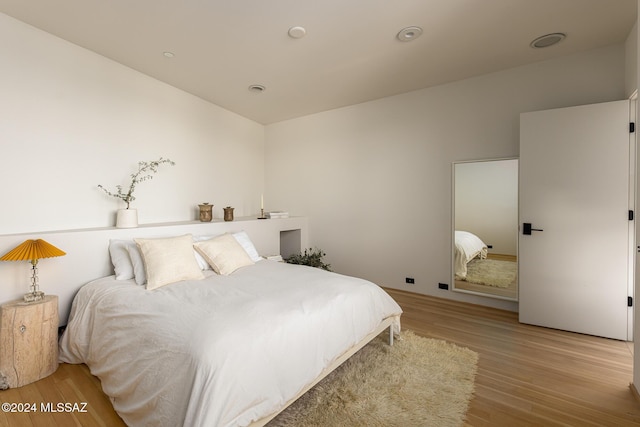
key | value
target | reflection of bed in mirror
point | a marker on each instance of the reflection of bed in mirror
(486, 228)
(467, 247)
(478, 271)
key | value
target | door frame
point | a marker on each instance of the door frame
(633, 205)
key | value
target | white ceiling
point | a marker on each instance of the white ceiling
(349, 55)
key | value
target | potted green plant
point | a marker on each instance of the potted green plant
(310, 257)
(128, 218)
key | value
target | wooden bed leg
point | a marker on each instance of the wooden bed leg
(390, 334)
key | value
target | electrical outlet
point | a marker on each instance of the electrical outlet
(443, 286)
(490, 246)
(410, 280)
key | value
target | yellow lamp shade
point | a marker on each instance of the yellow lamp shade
(32, 250)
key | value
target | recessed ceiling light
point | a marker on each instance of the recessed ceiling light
(547, 40)
(168, 54)
(257, 88)
(409, 33)
(297, 32)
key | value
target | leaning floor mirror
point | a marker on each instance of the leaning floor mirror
(485, 228)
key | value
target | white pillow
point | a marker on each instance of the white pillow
(120, 259)
(243, 238)
(223, 253)
(137, 262)
(169, 260)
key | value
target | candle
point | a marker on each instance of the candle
(262, 201)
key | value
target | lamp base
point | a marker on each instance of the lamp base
(33, 296)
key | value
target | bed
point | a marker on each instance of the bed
(467, 246)
(220, 348)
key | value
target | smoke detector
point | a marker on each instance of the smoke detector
(297, 32)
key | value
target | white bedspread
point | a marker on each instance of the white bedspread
(467, 246)
(223, 351)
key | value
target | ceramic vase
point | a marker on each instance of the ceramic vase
(127, 218)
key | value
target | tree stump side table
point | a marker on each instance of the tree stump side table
(28, 341)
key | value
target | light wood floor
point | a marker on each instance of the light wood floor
(69, 384)
(527, 376)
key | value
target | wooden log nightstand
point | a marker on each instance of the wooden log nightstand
(28, 341)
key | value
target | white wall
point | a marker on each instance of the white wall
(486, 203)
(71, 119)
(375, 178)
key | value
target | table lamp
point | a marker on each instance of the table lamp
(32, 251)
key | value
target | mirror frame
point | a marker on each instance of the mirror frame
(453, 228)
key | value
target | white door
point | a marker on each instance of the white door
(574, 187)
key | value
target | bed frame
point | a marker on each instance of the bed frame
(387, 323)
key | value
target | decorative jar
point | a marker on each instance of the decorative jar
(228, 213)
(206, 212)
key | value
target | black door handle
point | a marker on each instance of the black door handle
(526, 228)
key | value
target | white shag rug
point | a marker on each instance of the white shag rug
(416, 382)
(491, 272)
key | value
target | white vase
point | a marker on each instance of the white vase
(127, 218)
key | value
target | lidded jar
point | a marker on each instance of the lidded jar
(206, 212)
(228, 213)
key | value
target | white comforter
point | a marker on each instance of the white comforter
(223, 351)
(467, 246)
